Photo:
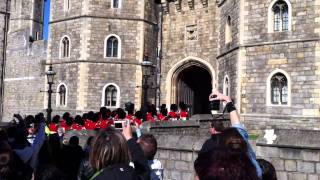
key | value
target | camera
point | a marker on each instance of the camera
(214, 106)
(119, 124)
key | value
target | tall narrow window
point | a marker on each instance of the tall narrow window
(65, 47)
(226, 86)
(281, 16)
(279, 89)
(228, 31)
(111, 96)
(66, 5)
(112, 46)
(115, 3)
(61, 95)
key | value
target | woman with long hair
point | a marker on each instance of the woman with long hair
(112, 152)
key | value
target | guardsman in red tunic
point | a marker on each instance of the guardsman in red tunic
(137, 120)
(104, 120)
(173, 115)
(150, 117)
(89, 122)
(162, 116)
(78, 123)
(183, 111)
(54, 125)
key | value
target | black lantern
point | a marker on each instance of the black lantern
(50, 77)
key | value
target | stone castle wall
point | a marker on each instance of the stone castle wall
(294, 154)
(228, 57)
(4, 15)
(135, 22)
(295, 52)
(179, 44)
(24, 75)
(25, 59)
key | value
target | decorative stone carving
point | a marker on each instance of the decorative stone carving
(192, 32)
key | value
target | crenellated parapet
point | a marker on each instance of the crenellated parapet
(177, 4)
(165, 6)
(204, 3)
(191, 4)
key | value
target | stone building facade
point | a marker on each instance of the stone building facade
(264, 54)
(4, 22)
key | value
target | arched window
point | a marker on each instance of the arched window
(61, 95)
(111, 95)
(228, 31)
(113, 46)
(279, 88)
(115, 4)
(279, 16)
(226, 86)
(65, 47)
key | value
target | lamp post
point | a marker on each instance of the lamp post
(50, 77)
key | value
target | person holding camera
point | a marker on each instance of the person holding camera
(236, 137)
(112, 152)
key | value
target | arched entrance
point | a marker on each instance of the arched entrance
(192, 84)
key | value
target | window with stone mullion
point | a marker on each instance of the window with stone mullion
(65, 44)
(281, 16)
(285, 20)
(277, 19)
(279, 90)
(112, 47)
(111, 96)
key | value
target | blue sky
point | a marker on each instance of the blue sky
(46, 19)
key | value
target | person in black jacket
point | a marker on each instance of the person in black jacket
(112, 152)
(213, 142)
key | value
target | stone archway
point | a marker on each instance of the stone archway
(191, 81)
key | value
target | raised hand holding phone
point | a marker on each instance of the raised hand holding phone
(126, 130)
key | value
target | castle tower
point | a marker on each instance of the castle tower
(97, 49)
(24, 72)
(4, 24)
(189, 68)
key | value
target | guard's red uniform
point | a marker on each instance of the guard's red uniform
(137, 122)
(76, 127)
(184, 115)
(150, 117)
(103, 123)
(53, 127)
(89, 125)
(173, 115)
(64, 125)
(161, 117)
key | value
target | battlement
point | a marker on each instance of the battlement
(183, 5)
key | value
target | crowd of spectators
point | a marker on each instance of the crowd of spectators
(32, 148)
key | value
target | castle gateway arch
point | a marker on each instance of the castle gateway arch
(191, 80)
